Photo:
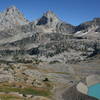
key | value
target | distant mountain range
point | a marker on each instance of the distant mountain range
(47, 36)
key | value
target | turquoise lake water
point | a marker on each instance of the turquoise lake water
(94, 91)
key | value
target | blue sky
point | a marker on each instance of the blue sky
(71, 11)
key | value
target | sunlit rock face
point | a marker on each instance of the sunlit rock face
(82, 88)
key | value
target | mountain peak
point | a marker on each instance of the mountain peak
(12, 10)
(49, 14)
(11, 17)
(48, 18)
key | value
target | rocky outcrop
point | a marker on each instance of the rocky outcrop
(82, 88)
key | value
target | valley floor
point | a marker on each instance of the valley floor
(43, 80)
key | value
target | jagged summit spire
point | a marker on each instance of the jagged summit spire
(49, 13)
(12, 9)
(49, 18)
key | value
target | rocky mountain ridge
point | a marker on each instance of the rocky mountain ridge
(49, 37)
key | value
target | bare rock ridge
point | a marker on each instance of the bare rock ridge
(89, 29)
(94, 23)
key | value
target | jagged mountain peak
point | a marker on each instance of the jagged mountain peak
(12, 10)
(11, 17)
(49, 18)
(49, 14)
(49, 23)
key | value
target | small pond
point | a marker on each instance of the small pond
(94, 90)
